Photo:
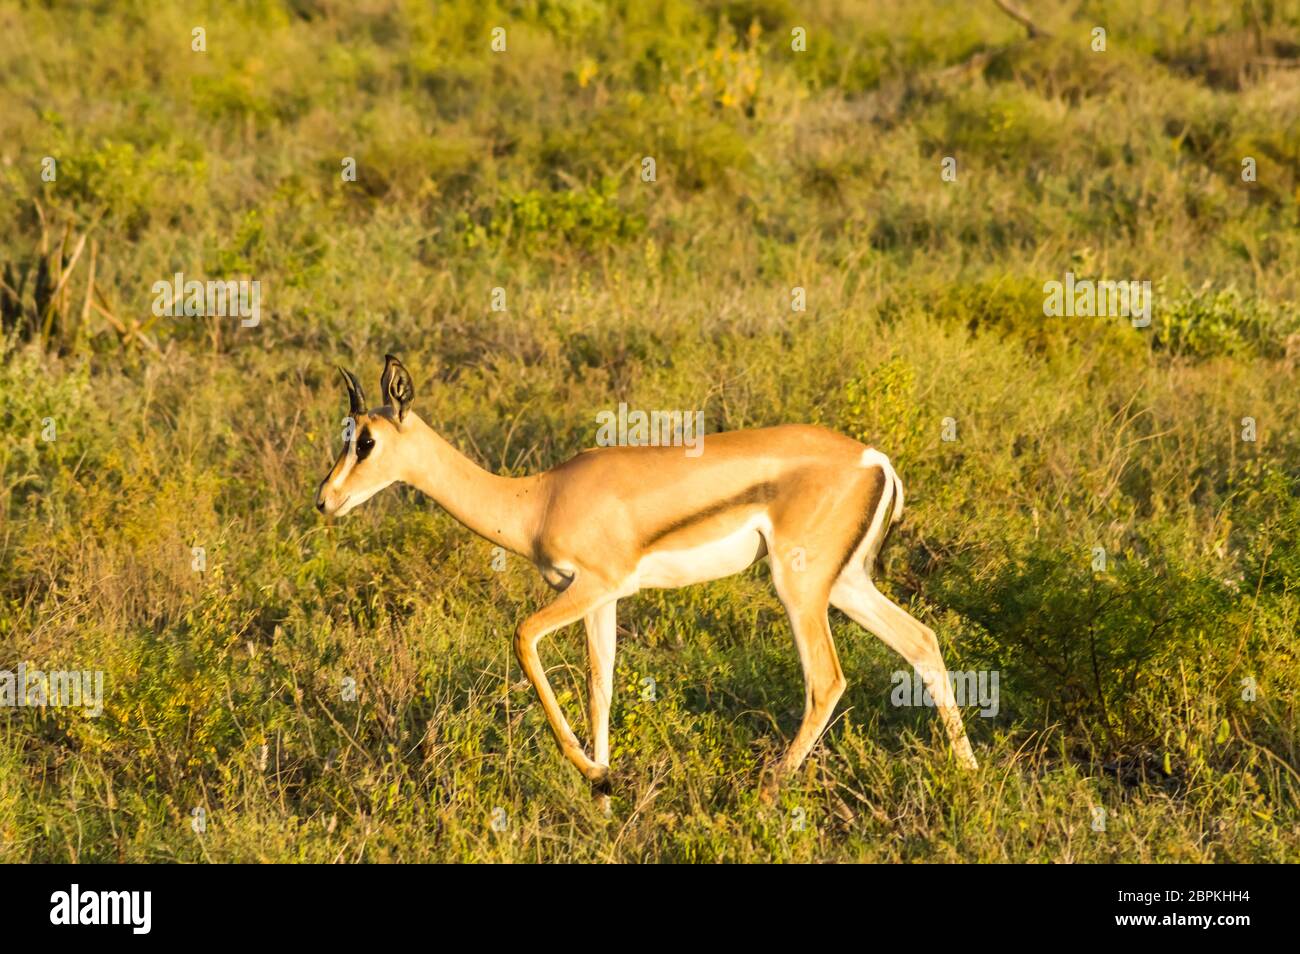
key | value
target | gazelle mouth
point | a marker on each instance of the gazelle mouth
(337, 509)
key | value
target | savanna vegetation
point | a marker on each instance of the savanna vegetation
(1148, 705)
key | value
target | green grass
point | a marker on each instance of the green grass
(1120, 690)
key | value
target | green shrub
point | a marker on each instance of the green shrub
(584, 217)
(1219, 322)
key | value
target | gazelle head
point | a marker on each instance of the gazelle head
(374, 454)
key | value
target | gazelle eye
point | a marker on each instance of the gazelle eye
(364, 445)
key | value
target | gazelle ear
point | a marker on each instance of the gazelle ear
(356, 400)
(396, 387)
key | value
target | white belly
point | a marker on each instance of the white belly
(667, 569)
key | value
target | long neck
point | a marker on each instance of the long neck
(503, 510)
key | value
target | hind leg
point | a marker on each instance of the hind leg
(858, 598)
(804, 596)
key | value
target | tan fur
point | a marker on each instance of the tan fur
(614, 520)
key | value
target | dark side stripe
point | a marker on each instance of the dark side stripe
(756, 495)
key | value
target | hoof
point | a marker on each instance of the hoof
(601, 788)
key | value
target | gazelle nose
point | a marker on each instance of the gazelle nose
(320, 504)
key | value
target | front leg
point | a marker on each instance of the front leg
(602, 636)
(584, 596)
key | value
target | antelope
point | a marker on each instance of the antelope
(615, 520)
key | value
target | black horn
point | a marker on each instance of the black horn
(356, 400)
